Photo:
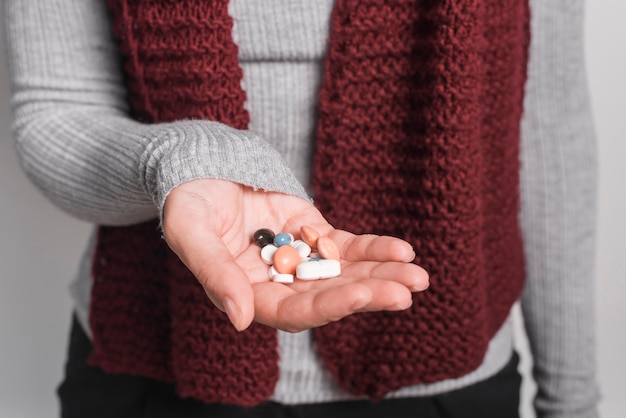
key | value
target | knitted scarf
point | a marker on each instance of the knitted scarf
(418, 137)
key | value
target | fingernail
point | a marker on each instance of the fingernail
(234, 314)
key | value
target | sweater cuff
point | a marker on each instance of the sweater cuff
(192, 149)
(567, 398)
(587, 413)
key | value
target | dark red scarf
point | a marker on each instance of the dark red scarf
(418, 137)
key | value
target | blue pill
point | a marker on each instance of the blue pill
(282, 239)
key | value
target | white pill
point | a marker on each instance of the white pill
(271, 272)
(267, 253)
(303, 248)
(283, 278)
(318, 269)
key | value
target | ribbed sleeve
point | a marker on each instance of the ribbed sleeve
(76, 141)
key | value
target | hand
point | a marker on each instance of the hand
(209, 224)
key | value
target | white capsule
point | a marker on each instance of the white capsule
(283, 278)
(318, 269)
(267, 253)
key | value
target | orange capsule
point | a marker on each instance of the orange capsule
(309, 235)
(286, 259)
(327, 248)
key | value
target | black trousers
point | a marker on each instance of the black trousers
(88, 392)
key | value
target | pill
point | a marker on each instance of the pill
(286, 259)
(283, 239)
(263, 236)
(283, 278)
(322, 269)
(271, 272)
(327, 248)
(302, 247)
(267, 253)
(309, 235)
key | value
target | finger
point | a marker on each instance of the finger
(410, 275)
(314, 309)
(388, 296)
(385, 295)
(281, 307)
(372, 247)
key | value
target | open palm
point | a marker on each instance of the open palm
(209, 224)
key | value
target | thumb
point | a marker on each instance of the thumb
(224, 281)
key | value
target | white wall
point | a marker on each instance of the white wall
(606, 57)
(40, 246)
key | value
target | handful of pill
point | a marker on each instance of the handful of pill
(311, 258)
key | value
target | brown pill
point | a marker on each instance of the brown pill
(286, 259)
(309, 236)
(327, 248)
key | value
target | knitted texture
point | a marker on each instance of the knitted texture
(417, 137)
(149, 315)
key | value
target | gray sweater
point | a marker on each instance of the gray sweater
(78, 145)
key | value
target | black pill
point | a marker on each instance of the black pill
(263, 236)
